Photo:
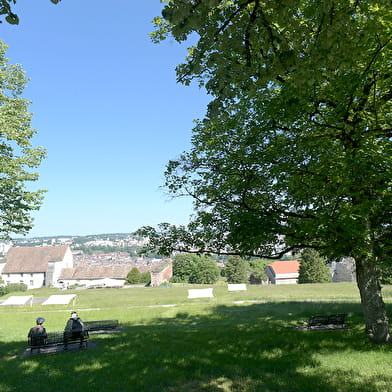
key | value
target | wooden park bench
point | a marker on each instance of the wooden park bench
(59, 338)
(97, 326)
(337, 320)
(64, 338)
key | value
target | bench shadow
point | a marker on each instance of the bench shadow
(230, 348)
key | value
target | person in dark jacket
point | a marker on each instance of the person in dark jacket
(74, 329)
(37, 335)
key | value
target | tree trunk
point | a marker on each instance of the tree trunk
(373, 306)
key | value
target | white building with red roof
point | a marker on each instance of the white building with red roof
(36, 266)
(283, 272)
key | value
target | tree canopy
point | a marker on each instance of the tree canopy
(295, 149)
(6, 9)
(190, 268)
(17, 156)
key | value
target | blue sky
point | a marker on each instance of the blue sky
(107, 109)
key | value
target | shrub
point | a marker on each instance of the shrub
(136, 277)
(12, 287)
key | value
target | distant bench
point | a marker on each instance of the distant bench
(337, 320)
(97, 326)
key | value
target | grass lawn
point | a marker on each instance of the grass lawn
(241, 341)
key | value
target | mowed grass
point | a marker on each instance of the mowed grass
(241, 341)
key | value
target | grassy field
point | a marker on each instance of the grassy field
(236, 341)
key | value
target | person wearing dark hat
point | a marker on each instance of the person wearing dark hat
(37, 335)
(74, 329)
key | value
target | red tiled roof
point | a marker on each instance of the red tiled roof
(32, 259)
(285, 267)
(100, 272)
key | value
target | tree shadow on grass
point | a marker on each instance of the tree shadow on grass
(231, 348)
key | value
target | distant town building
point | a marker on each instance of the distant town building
(101, 276)
(36, 266)
(4, 247)
(283, 272)
(162, 274)
(343, 271)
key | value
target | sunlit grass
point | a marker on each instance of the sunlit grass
(212, 345)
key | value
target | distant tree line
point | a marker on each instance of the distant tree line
(191, 268)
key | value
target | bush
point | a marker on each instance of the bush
(12, 287)
(136, 277)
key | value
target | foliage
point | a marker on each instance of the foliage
(10, 17)
(235, 270)
(182, 267)
(385, 272)
(136, 277)
(257, 270)
(313, 268)
(17, 156)
(12, 287)
(295, 150)
(189, 268)
(269, 158)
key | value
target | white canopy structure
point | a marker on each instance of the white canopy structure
(19, 300)
(60, 299)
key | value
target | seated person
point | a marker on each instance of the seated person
(74, 329)
(37, 334)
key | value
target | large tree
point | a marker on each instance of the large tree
(17, 156)
(295, 150)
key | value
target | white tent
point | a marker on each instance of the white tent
(60, 299)
(19, 300)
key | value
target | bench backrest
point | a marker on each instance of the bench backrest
(326, 319)
(37, 340)
(100, 324)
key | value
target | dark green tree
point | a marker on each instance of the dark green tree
(204, 271)
(17, 156)
(235, 270)
(296, 148)
(313, 268)
(182, 267)
(133, 276)
(190, 268)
